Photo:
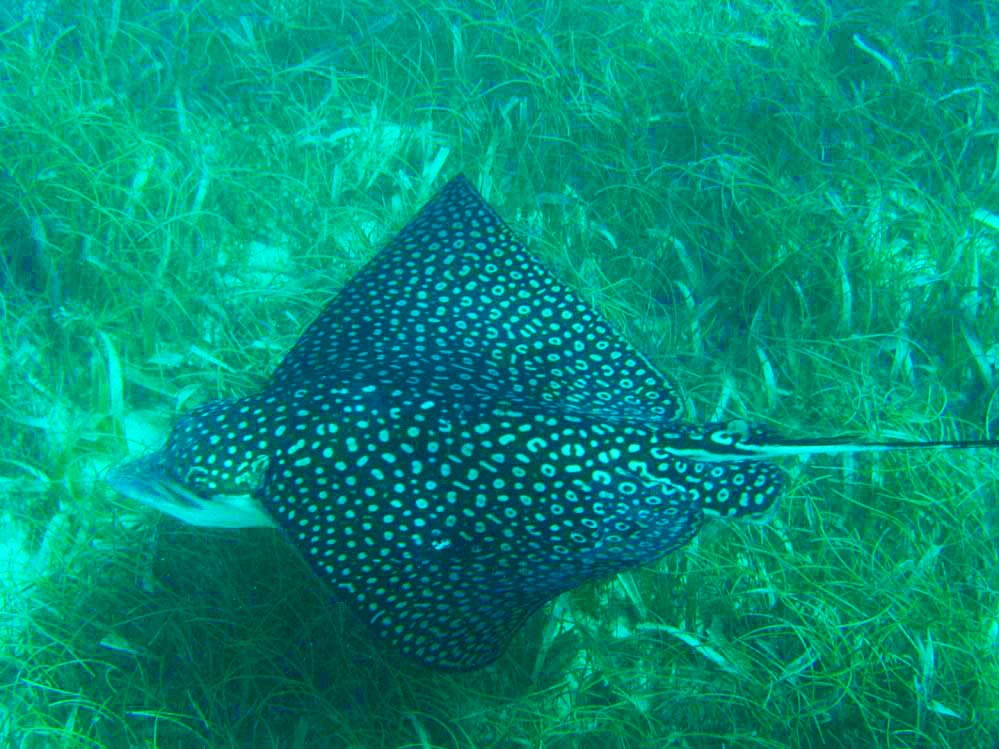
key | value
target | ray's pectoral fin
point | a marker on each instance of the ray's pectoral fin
(452, 594)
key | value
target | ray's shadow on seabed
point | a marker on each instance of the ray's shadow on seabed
(233, 636)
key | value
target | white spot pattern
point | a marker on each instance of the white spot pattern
(458, 438)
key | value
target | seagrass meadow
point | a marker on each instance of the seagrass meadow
(792, 208)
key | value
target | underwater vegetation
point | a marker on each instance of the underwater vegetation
(790, 210)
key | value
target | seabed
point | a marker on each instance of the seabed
(791, 207)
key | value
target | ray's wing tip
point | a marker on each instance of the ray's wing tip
(459, 183)
(461, 192)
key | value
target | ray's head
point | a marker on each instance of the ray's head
(208, 473)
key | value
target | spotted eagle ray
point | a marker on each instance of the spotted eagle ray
(458, 438)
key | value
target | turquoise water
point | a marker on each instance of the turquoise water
(791, 210)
